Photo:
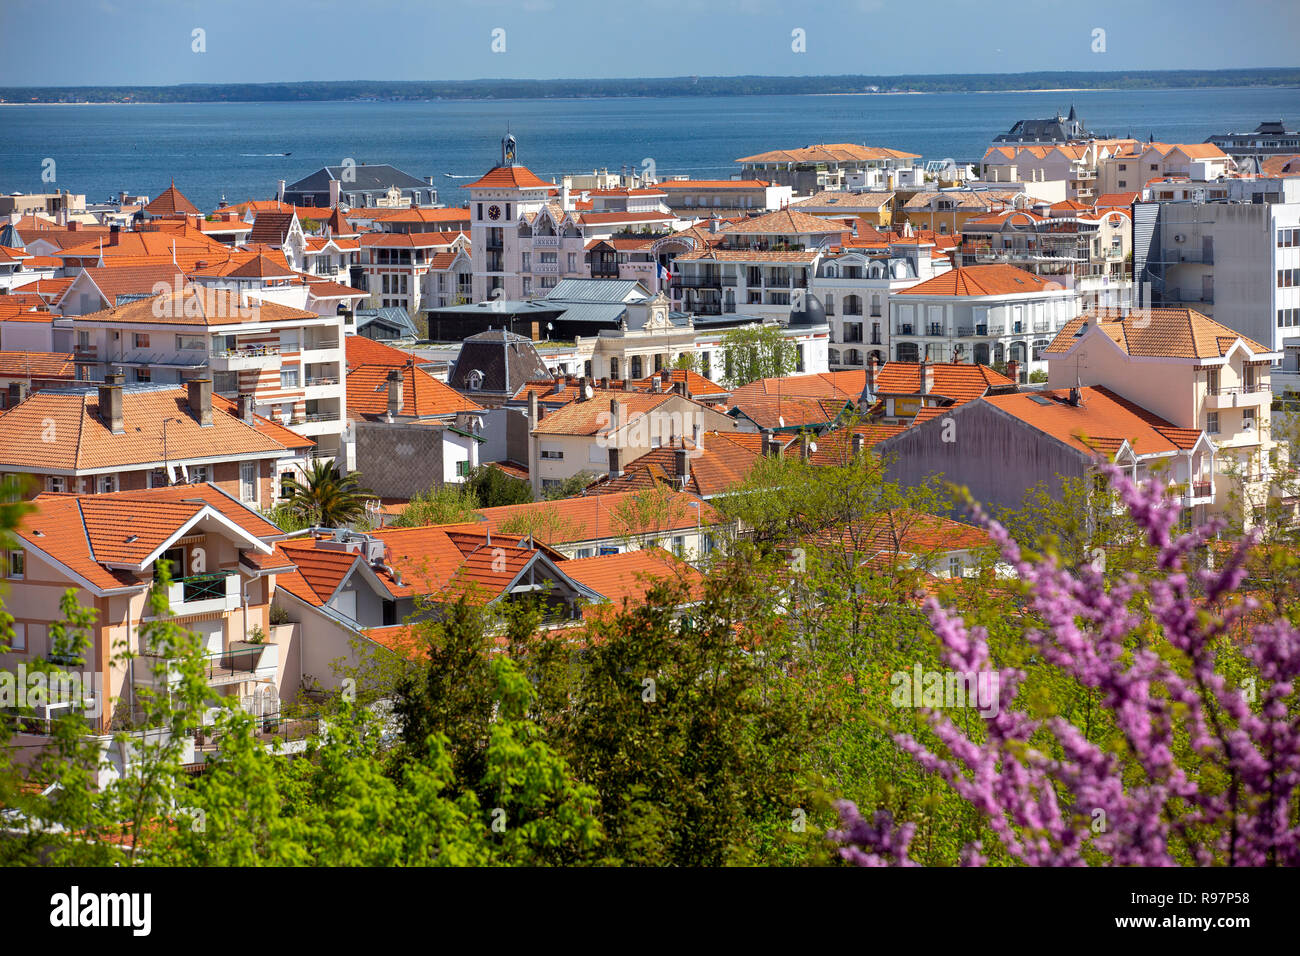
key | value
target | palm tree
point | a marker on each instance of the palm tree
(325, 497)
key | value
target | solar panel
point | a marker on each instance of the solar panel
(1040, 400)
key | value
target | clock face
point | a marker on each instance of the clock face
(494, 213)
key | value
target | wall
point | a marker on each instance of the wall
(399, 460)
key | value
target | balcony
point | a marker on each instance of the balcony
(204, 593)
(549, 242)
(546, 268)
(234, 360)
(979, 331)
(697, 282)
(1251, 395)
(242, 661)
(904, 328)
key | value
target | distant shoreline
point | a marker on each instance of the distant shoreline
(642, 96)
(481, 90)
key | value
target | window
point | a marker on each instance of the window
(1288, 278)
(573, 262)
(106, 483)
(16, 565)
(584, 552)
(1123, 183)
(526, 261)
(196, 342)
(19, 640)
(1212, 423)
(142, 340)
(1288, 318)
(954, 566)
(248, 481)
(199, 473)
(225, 381)
(158, 478)
(57, 484)
(289, 376)
(679, 545)
(83, 341)
(143, 375)
(1247, 419)
(552, 454)
(462, 469)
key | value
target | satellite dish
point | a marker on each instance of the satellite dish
(812, 446)
(780, 420)
(587, 392)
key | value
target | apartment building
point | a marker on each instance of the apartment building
(813, 169)
(1231, 251)
(989, 315)
(855, 285)
(873, 208)
(1135, 166)
(1081, 248)
(708, 198)
(412, 270)
(290, 360)
(1191, 371)
(757, 267)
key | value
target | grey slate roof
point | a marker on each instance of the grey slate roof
(598, 290)
(393, 317)
(378, 176)
(505, 360)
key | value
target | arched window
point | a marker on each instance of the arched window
(852, 357)
(833, 356)
(982, 353)
(853, 305)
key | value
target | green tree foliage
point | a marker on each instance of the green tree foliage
(492, 488)
(570, 487)
(446, 504)
(754, 352)
(325, 497)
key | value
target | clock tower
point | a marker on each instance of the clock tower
(505, 195)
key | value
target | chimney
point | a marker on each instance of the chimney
(771, 445)
(1013, 371)
(114, 234)
(927, 378)
(859, 443)
(805, 445)
(73, 226)
(532, 410)
(110, 406)
(200, 396)
(582, 387)
(697, 434)
(279, 193)
(682, 465)
(394, 393)
(334, 193)
(17, 393)
(615, 466)
(558, 386)
(1076, 395)
(873, 365)
(604, 384)
(115, 378)
(680, 389)
(654, 383)
(244, 406)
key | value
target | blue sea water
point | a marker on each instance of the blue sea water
(229, 149)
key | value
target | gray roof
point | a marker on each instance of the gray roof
(391, 316)
(503, 308)
(598, 290)
(504, 359)
(378, 176)
(603, 312)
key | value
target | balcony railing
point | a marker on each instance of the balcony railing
(251, 351)
(204, 587)
(322, 380)
(905, 328)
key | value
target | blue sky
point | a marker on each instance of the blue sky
(109, 42)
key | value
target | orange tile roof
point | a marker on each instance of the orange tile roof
(84, 442)
(955, 380)
(845, 385)
(598, 517)
(1116, 199)
(696, 383)
(411, 240)
(133, 280)
(982, 280)
(422, 394)
(37, 364)
(788, 221)
(828, 153)
(843, 199)
(1100, 423)
(593, 416)
(170, 202)
(1159, 333)
(908, 533)
(509, 177)
(1280, 166)
(147, 244)
(790, 411)
(722, 461)
(835, 447)
(271, 429)
(364, 351)
(714, 184)
(85, 532)
(627, 577)
(198, 306)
